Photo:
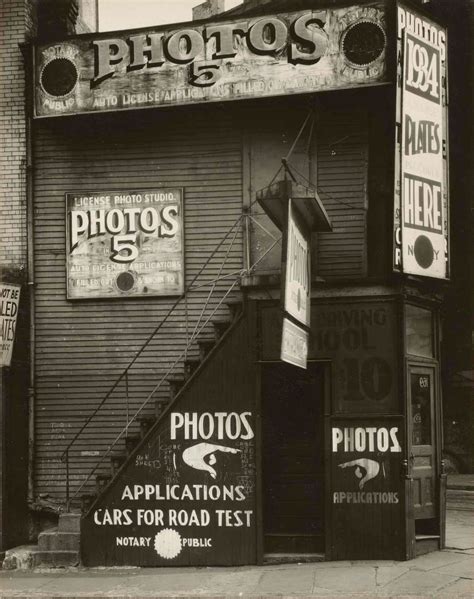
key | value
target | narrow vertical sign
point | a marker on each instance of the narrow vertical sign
(297, 297)
(421, 187)
(298, 271)
(9, 302)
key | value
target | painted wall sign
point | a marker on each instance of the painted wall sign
(360, 338)
(9, 302)
(127, 243)
(294, 344)
(366, 487)
(297, 269)
(186, 496)
(421, 185)
(288, 53)
(198, 461)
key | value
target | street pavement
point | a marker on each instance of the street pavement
(442, 574)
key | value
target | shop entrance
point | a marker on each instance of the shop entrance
(293, 458)
(423, 442)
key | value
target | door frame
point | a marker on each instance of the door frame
(422, 366)
(326, 368)
(429, 370)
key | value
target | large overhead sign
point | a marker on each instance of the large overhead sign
(126, 243)
(287, 53)
(421, 181)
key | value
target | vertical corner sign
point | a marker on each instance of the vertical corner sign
(297, 296)
(122, 244)
(9, 302)
(421, 179)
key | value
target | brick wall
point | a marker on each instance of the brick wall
(16, 18)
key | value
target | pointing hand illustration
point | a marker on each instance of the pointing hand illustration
(194, 456)
(371, 468)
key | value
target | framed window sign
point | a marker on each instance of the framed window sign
(124, 243)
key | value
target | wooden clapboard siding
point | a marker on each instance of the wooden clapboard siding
(338, 172)
(342, 186)
(83, 346)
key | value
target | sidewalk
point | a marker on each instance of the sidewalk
(443, 574)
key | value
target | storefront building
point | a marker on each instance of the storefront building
(192, 416)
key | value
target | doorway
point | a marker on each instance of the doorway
(423, 442)
(293, 458)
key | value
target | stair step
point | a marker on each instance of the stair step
(160, 407)
(292, 558)
(69, 522)
(53, 540)
(175, 384)
(220, 325)
(55, 559)
(101, 481)
(426, 544)
(145, 425)
(205, 346)
(235, 305)
(116, 462)
(27, 557)
(87, 501)
(131, 441)
(190, 366)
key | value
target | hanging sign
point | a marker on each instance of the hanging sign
(297, 269)
(421, 236)
(9, 302)
(294, 344)
(122, 244)
(273, 55)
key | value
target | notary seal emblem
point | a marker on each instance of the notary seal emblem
(59, 77)
(168, 543)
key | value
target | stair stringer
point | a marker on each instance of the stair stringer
(197, 509)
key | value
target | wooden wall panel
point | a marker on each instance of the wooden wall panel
(330, 155)
(225, 389)
(83, 346)
(342, 185)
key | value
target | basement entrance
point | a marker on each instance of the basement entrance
(293, 458)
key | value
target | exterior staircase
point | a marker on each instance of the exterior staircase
(206, 345)
(60, 546)
(57, 547)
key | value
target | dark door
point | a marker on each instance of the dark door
(292, 435)
(423, 442)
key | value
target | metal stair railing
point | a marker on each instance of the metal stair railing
(248, 269)
(215, 283)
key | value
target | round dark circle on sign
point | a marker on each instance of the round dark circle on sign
(59, 77)
(424, 253)
(363, 42)
(125, 281)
